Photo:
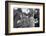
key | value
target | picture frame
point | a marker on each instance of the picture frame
(11, 8)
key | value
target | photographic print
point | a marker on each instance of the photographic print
(24, 17)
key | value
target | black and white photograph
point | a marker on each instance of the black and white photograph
(26, 17)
